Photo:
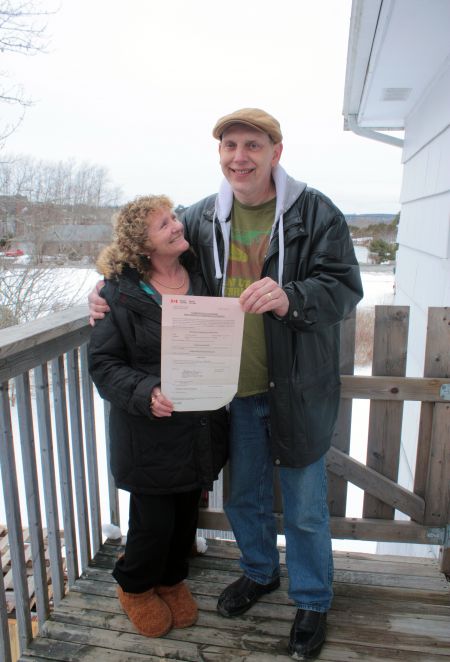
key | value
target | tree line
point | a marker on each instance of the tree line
(380, 239)
(57, 182)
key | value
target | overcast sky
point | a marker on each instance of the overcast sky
(137, 86)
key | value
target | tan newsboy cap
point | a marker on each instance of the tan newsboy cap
(254, 117)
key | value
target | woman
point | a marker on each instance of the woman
(163, 458)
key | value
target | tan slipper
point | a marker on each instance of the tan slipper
(149, 614)
(182, 605)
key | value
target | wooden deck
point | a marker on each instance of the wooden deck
(385, 608)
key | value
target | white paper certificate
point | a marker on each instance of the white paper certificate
(200, 350)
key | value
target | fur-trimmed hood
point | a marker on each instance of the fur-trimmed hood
(109, 262)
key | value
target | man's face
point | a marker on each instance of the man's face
(247, 157)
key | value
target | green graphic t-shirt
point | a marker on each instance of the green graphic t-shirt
(250, 232)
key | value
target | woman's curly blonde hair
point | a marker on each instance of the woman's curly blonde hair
(130, 236)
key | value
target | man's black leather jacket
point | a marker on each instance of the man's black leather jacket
(322, 281)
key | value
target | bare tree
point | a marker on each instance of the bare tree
(23, 26)
(57, 182)
(28, 292)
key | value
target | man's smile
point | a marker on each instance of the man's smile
(242, 171)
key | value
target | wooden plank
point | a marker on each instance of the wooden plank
(438, 490)
(79, 467)
(437, 356)
(349, 651)
(49, 481)
(65, 470)
(385, 418)
(386, 531)
(381, 611)
(376, 484)
(423, 448)
(8, 578)
(433, 445)
(7, 556)
(26, 346)
(266, 631)
(5, 646)
(349, 528)
(13, 636)
(211, 579)
(337, 487)
(437, 364)
(24, 337)
(13, 517)
(395, 389)
(97, 591)
(66, 651)
(271, 616)
(87, 627)
(113, 493)
(31, 486)
(91, 451)
(223, 550)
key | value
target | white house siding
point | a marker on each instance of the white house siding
(423, 259)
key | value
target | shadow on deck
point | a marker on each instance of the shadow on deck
(385, 608)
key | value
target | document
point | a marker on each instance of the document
(200, 350)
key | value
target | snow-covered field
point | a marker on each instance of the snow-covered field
(378, 286)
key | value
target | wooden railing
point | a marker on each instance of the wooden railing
(45, 386)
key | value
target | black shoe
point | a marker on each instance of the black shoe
(307, 634)
(242, 594)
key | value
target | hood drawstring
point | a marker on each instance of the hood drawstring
(280, 228)
(223, 205)
(225, 230)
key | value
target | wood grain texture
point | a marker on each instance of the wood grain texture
(384, 609)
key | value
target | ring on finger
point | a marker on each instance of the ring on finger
(269, 295)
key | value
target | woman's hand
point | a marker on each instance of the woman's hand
(160, 405)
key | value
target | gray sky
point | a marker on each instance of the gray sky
(136, 87)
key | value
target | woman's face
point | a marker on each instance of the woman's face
(165, 234)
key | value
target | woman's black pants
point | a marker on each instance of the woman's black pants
(161, 532)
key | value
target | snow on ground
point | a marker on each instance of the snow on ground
(378, 287)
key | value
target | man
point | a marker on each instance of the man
(285, 250)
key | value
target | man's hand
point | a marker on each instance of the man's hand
(263, 296)
(97, 304)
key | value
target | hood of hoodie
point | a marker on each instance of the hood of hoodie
(287, 190)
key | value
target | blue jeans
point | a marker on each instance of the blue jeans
(249, 509)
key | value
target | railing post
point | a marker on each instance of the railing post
(79, 471)
(437, 488)
(114, 510)
(91, 450)
(65, 472)
(385, 419)
(13, 519)
(5, 644)
(32, 496)
(49, 482)
(337, 487)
